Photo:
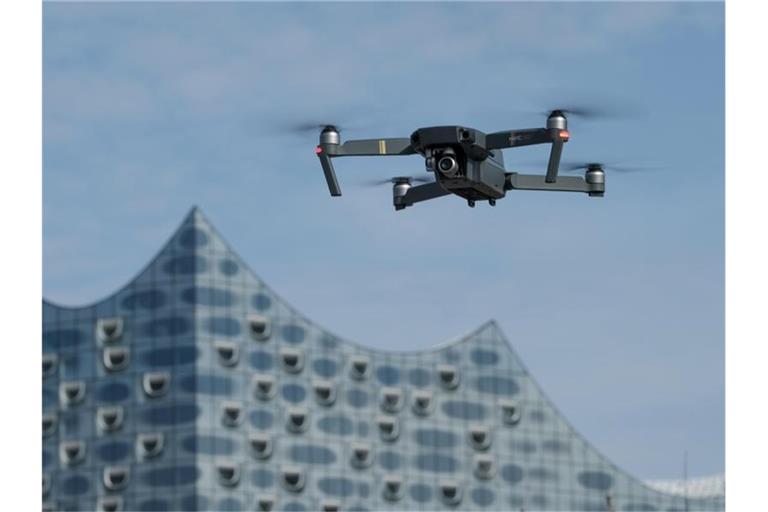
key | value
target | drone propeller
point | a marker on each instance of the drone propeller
(572, 167)
(413, 179)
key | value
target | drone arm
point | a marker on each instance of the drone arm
(515, 138)
(420, 193)
(330, 175)
(517, 181)
(375, 147)
(554, 160)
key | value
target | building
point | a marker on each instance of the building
(196, 387)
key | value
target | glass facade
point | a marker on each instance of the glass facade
(196, 387)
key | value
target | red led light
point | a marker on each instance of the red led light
(564, 134)
(318, 150)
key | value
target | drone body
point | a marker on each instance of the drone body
(465, 162)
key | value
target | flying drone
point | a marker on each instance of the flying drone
(465, 162)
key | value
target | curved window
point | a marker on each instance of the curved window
(50, 421)
(208, 296)
(292, 479)
(170, 326)
(361, 456)
(293, 333)
(449, 376)
(149, 446)
(497, 385)
(388, 375)
(156, 384)
(338, 425)
(186, 265)
(336, 486)
(229, 267)
(216, 385)
(542, 474)
(597, 480)
(298, 420)
(59, 339)
(393, 488)
(311, 454)
(293, 393)
(325, 392)
(261, 360)
(421, 402)
(262, 419)
(170, 476)
(262, 478)
(482, 496)
(420, 493)
(292, 360)
(260, 327)
(72, 453)
(227, 353)
(109, 419)
(72, 393)
(116, 358)
(326, 368)
(228, 473)
(464, 410)
(209, 445)
(436, 462)
(109, 329)
(114, 451)
(261, 446)
(50, 364)
(419, 377)
(484, 468)
(510, 412)
(263, 386)
(389, 428)
(479, 438)
(146, 299)
(434, 438)
(359, 367)
(169, 356)
(115, 478)
(223, 326)
(171, 415)
(483, 357)
(450, 493)
(512, 473)
(110, 504)
(390, 461)
(261, 302)
(357, 398)
(193, 237)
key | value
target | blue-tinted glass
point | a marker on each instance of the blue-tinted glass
(420, 493)
(339, 425)
(50, 398)
(389, 460)
(193, 237)
(114, 451)
(435, 438)
(171, 326)
(436, 462)
(261, 302)
(154, 505)
(595, 480)
(261, 360)
(185, 265)
(363, 489)
(208, 296)
(329, 342)
(58, 339)
(113, 392)
(146, 299)
(171, 415)
(541, 474)
(194, 502)
(464, 410)
(388, 375)
(497, 385)
(419, 377)
(294, 506)
(484, 357)
(539, 501)
(336, 486)
(169, 356)
(555, 446)
(228, 267)
(312, 454)
(261, 419)
(75, 484)
(262, 478)
(357, 398)
(325, 367)
(230, 505)
(217, 385)
(512, 473)
(170, 476)
(224, 326)
(47, 458)
(209, 445)
(362, 428)
(293, 393)
(293, 333)
(639, 507)
(482, 496)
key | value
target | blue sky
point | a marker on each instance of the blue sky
(615, 304)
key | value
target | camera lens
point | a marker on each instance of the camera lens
(448, 165)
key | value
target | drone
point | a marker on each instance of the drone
(465, 162)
